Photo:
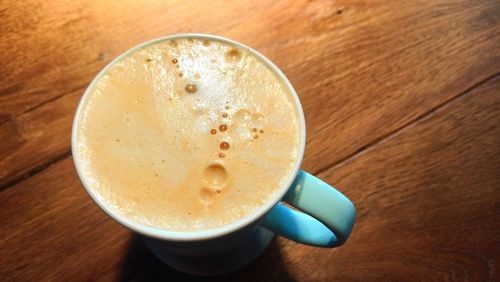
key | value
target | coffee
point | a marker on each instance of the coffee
(188, 134)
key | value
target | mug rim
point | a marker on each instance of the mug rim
(198, 235)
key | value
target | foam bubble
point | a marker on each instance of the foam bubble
(191, 88)
(206, 195)
(233, 55)
(223, 127)
(224, 145)
(242, 115)
(215, 175)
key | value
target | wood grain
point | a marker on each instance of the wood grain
(402, 102)
(428, 198)
(428, 208)
(362, 69)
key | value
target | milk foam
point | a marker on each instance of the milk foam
(188, 135)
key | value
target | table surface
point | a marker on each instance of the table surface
(402, 104)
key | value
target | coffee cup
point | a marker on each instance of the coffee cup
(322, 216)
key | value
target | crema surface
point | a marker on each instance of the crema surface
(188, 135)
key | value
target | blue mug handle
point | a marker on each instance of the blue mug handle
(327, 218)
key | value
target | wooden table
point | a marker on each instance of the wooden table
(402, 103)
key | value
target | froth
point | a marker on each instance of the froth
(188, 134)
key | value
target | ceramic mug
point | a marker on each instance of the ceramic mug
(325, 219)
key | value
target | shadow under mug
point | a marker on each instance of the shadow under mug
(323, 217)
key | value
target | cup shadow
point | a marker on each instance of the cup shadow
(140, 264)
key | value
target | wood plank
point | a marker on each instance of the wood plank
(53, 215)
(427, 199)
(362, 69)
(36, 139)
